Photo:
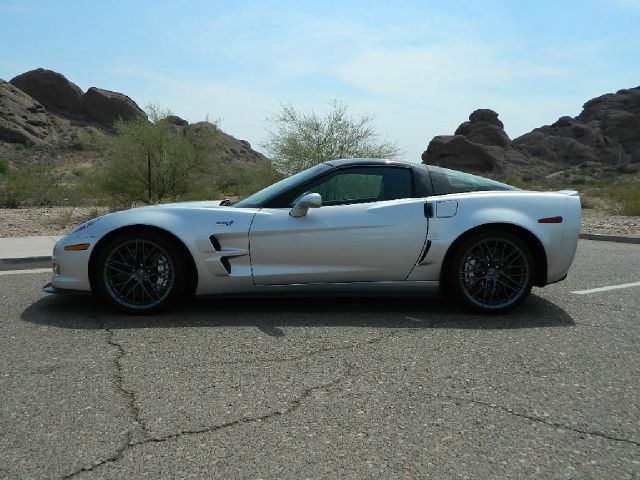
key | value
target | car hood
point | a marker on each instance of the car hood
(197, 204)
(170, 216)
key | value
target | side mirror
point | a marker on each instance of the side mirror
(302, 206)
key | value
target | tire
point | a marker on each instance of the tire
(141, 272)
(491, 272)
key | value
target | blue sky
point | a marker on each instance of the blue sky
(420, 67)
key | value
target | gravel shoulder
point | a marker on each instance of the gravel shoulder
(22, 222)
(37, 221)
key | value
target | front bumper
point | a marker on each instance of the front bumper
(49, 288)
(71, 268)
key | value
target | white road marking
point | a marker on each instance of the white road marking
(604, 289)
(413, 319)
(31, 270)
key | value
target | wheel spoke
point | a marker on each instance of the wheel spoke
(118, 269)
(484, 292)
(123, 257)
(120, 264)
(152, 292)
(509, 279)
(507, 286)
(130, 254)
(510, 258)
(124, 294)
(517, 258)
(148, 255)
(505, 295)
(484, 249)
(478, 290)
(493, 290)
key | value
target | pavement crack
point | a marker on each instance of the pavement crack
(113, 458)
(533, 418)
(129, 395)
(130, 400)
(293, 405)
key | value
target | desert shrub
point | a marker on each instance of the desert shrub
(258, 178)
(38, 186)
(10, 196)
(4, 166)
(627, 196)
(90, 139)
(519, 183)
(241, 182)
(151, 161)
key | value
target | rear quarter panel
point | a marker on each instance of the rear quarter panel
(519, 208)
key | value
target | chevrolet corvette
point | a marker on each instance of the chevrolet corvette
(354, 227)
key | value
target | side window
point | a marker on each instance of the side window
(451, 181)
(362, 185)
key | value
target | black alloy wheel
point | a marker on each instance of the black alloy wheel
(492, 272)
(140, 272)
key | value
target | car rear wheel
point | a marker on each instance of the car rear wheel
(140, 272)
(492, 272)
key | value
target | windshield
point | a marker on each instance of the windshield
(259, 198)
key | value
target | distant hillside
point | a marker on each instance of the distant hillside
(45, 118)
(606, 134)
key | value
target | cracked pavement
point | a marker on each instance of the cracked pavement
(326, 388)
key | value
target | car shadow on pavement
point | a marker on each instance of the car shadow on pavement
(268, 314)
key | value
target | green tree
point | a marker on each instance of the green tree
(152, 160)
(300, 140)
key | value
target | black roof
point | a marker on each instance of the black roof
(367, 161)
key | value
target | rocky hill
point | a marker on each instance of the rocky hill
(606, 133)
(45, 112)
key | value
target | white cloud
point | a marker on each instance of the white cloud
(20, 9)
(633, 5)
(420, 70)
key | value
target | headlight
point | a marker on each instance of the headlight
(85, 225)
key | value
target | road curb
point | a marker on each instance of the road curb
(25, 263)
(609, 238)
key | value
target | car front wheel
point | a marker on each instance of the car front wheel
(492, 272)
(140, 272)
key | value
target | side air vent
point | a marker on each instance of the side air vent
(216, 244)
(226, 264)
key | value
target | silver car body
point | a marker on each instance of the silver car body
(391, 246)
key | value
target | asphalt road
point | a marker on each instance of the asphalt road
(326, 388)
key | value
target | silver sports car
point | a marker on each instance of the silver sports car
(346, 226)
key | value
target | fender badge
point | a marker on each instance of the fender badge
(227, 223)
